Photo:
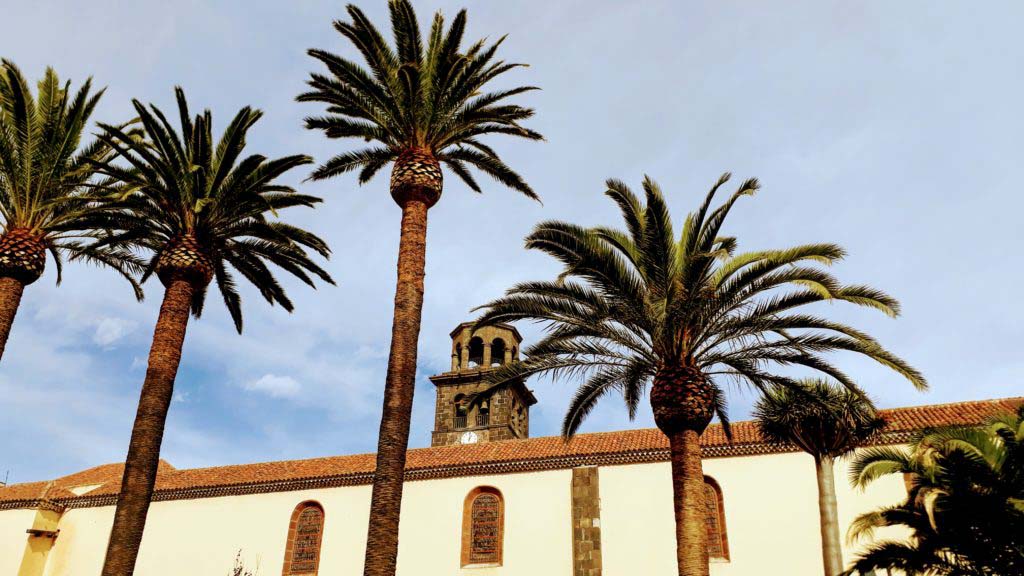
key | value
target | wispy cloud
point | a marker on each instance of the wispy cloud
(274, 386)
(110, 330)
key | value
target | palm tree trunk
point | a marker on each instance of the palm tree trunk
(688, 493)
(10, 298)
(140, 466)
(386, 501)
(831, 551)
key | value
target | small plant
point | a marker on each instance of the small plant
(241, 570)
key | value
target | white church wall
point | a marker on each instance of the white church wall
(201, 537)
(538, 525)
(771, 515)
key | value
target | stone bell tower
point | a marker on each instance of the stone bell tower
(501, 415)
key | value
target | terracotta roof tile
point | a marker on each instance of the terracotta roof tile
(640, 441)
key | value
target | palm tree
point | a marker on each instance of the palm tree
(196, 205)
(45, 179)
(686, 315)
(828, 421)
(422, 106)
(964, 507)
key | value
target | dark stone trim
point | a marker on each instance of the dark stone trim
(586, 522)
(32, 504)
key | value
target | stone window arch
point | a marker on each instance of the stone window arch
(461, 412)
(718, 539)
(497, 352)
(305, 534)
(483, 527)
(476, 352)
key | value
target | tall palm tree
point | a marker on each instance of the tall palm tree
(45, 179)
(423, 105)
(684, 314)
(196, 205)
(964, 506)
(828, 421)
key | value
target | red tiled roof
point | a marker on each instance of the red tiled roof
(103, 475)
(644, 445)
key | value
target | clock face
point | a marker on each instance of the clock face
(468, 438)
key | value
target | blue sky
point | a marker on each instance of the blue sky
(892, 128)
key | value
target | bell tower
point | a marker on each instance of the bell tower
(503, 414)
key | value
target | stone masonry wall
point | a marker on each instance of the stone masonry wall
(586, 522)
(501, 406)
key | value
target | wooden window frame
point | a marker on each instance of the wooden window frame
(290, 543)
(467, 527)
(724, 532)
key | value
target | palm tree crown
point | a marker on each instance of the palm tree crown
(643, 303)
(198, 206)
(422, 103)
(964, 506)
(822, 419)
(46, 177)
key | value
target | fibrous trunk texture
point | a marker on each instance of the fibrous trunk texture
(140, 466)
(831, 551)
(683, 402)
(10, 298)
(682, 399)
(416, 176)
(185, 259)
(386, 501)
(22, 260)
(690, 510)
(22, 255)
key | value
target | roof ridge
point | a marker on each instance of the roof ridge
(499, 451)
(956, 403)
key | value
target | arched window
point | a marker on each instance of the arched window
(483, 518)
(461, 411)
(497, 352)
(476, 352)
(302, 552)
(718, 540)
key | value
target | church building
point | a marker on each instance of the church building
(484, 500)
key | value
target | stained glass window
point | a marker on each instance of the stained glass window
(718, 546)
(302, 555)
(482, 527)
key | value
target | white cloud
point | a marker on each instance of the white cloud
(274, 385)
(110, 330)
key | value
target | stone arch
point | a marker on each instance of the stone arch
(497, 352)
(305, 535)
(718, 537)
(461, 411)
(483, 527)
(476, 351)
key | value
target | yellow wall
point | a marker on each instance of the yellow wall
(770, 511)
(13, 538)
